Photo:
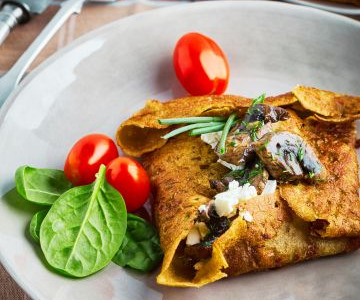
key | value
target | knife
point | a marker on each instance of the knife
(15, 12)
(9, 80)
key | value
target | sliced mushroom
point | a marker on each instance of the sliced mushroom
(239, 149)
(198, 251)
(287, 157)
(266, 113)
(256, 123)
(259, 181)
(218, 185)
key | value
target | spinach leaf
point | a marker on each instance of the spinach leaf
(140, 249)
(84, 228)
(42, 186)
(35, 223)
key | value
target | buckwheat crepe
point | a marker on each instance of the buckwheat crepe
(296, 223)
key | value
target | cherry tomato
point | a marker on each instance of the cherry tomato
(130, 179)
(200, 65)
(86, 156)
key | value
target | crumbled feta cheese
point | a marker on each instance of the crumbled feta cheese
(193, 236)
(197, 233)
(246, 215)
(269, 188)
(202, 208)
(233, 185)
(211, 138)
(225, 202)
(203, 229)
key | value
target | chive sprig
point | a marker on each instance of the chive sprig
(197, 125)
(202, 125)
(190, 120)
(190, 127)
(225, 132)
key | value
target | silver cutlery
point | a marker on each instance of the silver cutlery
(10, 80)
(13, 12)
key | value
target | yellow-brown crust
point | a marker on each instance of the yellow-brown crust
(179, 173)
(142, 132)
(328, 104)
(277, 237)
(285, 229)
(333, 205)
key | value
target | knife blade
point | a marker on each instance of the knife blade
(10, 80)
(13, 12)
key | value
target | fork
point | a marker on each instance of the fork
(11, 79)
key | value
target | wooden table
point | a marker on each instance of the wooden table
(91, 17)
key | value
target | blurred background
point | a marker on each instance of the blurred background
(95, 14)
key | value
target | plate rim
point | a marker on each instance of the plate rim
(339, 10)
(33, 293)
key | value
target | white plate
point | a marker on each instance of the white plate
(102, 78)
(340, 8)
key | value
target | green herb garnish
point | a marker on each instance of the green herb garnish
(291, 156)
(191, 120)
(209, 129)
(201, 125)
(300, 154)
(232, 144)
(245, 175)
(244, 123)
(236, 173)
(311, 174)
(190, 127)
(254, 128)
(225, 132)
(264, 145)
(256, 101)
(258, 169)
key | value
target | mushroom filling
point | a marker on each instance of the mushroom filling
(256, 123)
(215, 218)
(288, 158)
(256, 175)
(258, 157)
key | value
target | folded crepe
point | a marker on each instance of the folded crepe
(298, 222)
